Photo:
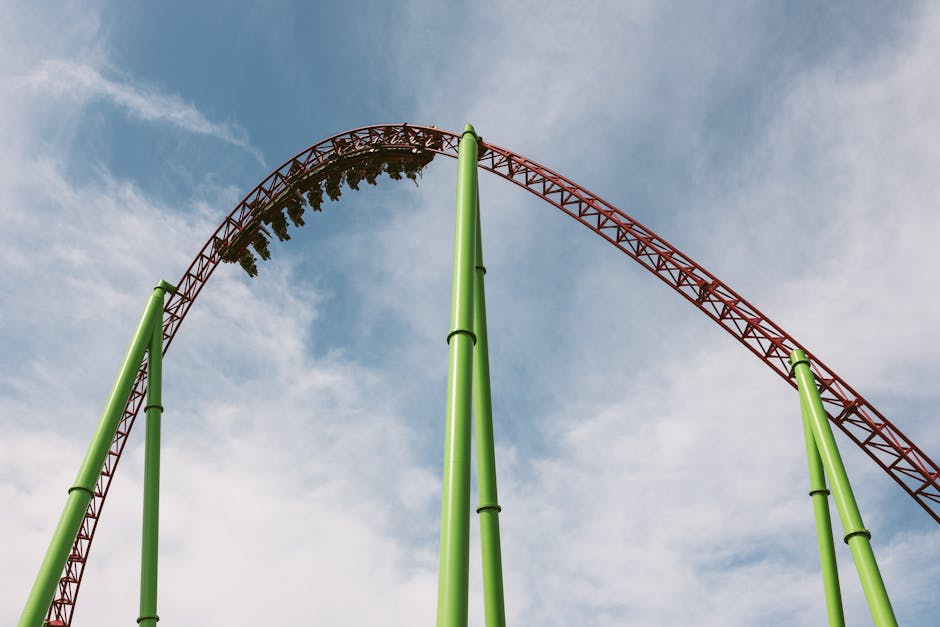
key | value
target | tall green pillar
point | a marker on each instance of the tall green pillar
(151, 523)
(43, 590)
(856, 536)
(488, 509)
(827, 551)
(454, 573)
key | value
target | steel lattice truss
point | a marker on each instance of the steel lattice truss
(855, 416)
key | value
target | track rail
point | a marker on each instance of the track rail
(894, 452)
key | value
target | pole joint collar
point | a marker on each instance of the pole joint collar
(154, 618)
(489, 507)
(464, 332)
(857, 532)
(83, 489)
(797, 357)
(824, 491)
(149, 407)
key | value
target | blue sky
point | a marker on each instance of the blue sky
(651, 470)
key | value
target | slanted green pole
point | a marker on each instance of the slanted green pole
(856, 536)
(453, 578)
(489, 508)
(827, 551)
(43, 590)
(150, 536)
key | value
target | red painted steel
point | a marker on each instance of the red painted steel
(855, 416)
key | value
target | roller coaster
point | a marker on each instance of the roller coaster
(402, 151)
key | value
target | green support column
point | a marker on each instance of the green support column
(489, 508)
(43, 590)
(856, 536)
(455, 494)
(827, 551)
(151, 525)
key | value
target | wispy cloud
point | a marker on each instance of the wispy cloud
(143, 102)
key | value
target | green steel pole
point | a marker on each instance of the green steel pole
(454, 572)
(489, 508)
(856, 536)
(43, 590)
(827, 551)
(151, 525)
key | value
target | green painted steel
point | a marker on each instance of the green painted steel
(856, 536)
(488, 509)
(827, 550)
(43, 590)
(151, 523)
(453, 577)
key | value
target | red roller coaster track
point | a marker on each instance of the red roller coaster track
(856, 417)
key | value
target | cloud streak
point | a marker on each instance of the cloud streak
(139, 101)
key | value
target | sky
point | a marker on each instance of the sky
(651, 471)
